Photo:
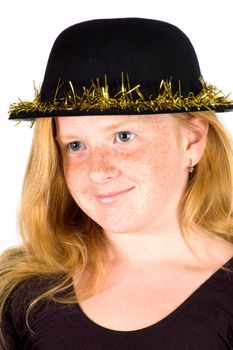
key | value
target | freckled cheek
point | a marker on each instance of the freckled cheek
(153, 162)
(75, 175)
(160, 165)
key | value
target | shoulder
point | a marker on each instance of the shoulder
(216, 296)
(16, 320)
(47, 322)
(26, 292)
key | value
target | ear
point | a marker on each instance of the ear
(195, 137)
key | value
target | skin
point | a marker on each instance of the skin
(151, 162)
(143, 225)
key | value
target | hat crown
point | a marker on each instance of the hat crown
(121, 66)
(145, 49)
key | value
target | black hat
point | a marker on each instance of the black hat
(121, 66)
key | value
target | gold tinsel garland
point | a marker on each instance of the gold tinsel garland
(97, 97)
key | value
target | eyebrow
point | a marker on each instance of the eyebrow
(104, 129)
(114, 126)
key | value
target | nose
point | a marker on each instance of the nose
(102, 166)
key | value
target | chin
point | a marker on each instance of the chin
(118, 226)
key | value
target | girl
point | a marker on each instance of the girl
(126, 214)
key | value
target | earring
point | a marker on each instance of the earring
(190, 167)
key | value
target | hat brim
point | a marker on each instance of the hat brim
(96, 100)
(31, 116)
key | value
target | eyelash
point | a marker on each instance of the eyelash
(120, 132)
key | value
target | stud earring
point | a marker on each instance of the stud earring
(190, 167)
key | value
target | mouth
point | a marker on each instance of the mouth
(111, 197)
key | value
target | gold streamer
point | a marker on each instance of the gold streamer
(97, 97)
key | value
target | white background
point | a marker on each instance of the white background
(28, 30)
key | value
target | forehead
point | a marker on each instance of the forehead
(106, 123)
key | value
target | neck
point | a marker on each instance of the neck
(162, 243)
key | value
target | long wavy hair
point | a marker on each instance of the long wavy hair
(59, 239)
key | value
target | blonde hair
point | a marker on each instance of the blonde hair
(59, 239)
(208, 199)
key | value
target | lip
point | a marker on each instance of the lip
(107, 198)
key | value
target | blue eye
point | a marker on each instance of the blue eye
(74, 146)
(125, 136)
(122, 136)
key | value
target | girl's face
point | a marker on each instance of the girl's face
(139, 157)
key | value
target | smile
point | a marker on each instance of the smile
(112, 197)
